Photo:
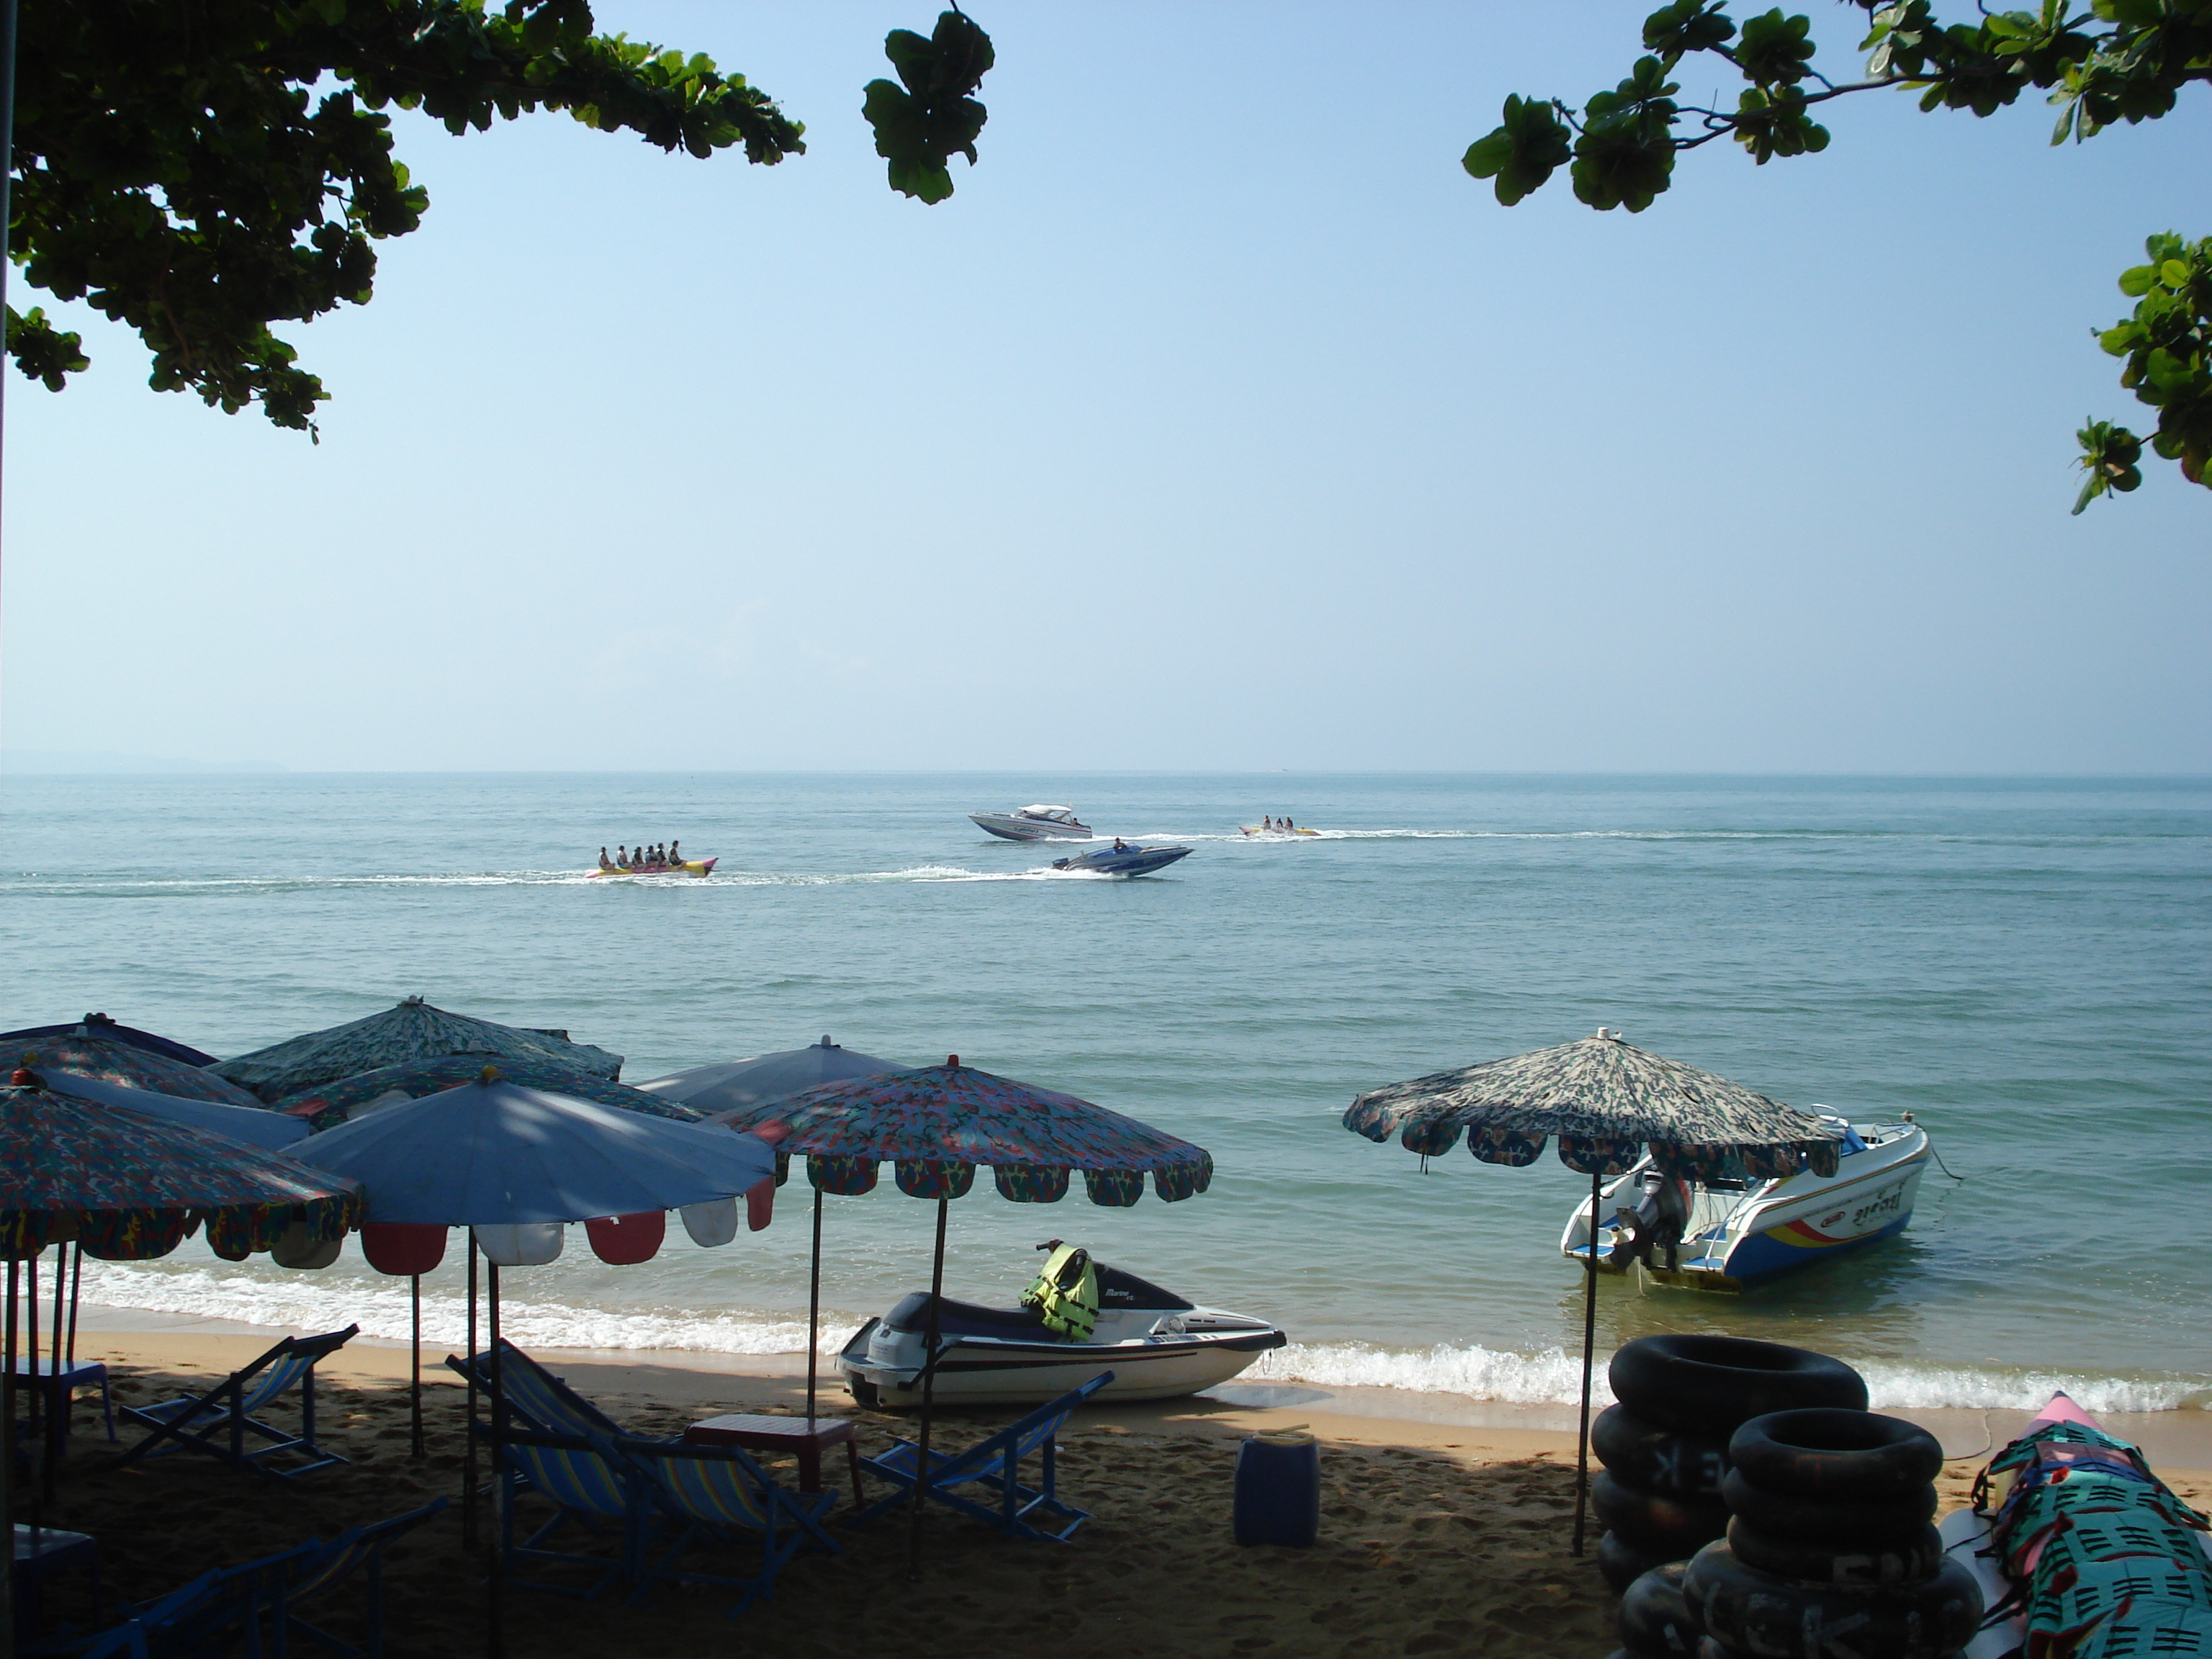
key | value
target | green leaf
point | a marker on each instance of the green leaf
(2138, 280)
(1521, 153)
(2174, 273)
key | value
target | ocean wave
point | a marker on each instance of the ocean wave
(1554, 1378)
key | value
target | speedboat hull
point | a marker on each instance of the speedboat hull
(1005, 1356)
(1735, 1236)
(1033, 824)
(1124, 861)
(689, 868)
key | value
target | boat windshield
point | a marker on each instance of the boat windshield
(1064, 814)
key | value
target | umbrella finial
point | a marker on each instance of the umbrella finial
(1610, 1034)
(952, 1060)
(489, 1074)
(825, 1041)
(25, 1077)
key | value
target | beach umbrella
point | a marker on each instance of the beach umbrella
(102, 1025)
(1606, 1100)
(935, 1125)
(515, 1165)
(122, 1185)
(412, 1030)
(110, 1059)
(332, 1103)
(737, 1085)
(256, 1126)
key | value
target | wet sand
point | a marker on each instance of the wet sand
(1436, 1536)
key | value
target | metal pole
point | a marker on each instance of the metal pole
(469, 1451)
(415, 1369)
(928, 1395)
(76, 1297)
(813, 1309)
(1590, 1346)
(8, 1427)
(496, 1635)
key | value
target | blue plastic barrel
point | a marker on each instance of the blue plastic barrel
(1279, 1490)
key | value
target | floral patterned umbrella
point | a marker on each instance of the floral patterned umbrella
(1605, 1100)
(936, 1124)
(412, 1030)
(332, 1103)
(128, 1188)
(103, 1025)
(113, 1059)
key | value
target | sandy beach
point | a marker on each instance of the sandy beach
(1440, 1533)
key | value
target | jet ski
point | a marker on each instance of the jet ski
(1129, 860)
(1043, 821)
(1158, 1345)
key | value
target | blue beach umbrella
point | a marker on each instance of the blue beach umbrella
(250, 1124)
(737, 1085)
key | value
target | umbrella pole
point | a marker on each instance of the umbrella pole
(76, 1297)
(8, 1464)
(415, 1369)
(928, 1394)
(35, 1440)
(1589, 1344)
(496, 1645)
(813, 1309)
(469, 1452)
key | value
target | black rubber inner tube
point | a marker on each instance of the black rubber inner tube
(1839, 1454)
(1657, 1459)
(1655, 1521)
(1653, 1617)
(1862, 1523)
(1904, 1561)
(1712, 1384)
(1754, 1611)
(1621, 1562)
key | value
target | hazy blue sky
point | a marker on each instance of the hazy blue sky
(1218, 420)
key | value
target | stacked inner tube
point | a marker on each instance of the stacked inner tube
(1830, 1551)
(1666, 1445)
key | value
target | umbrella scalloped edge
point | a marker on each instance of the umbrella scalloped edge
(847, 1175)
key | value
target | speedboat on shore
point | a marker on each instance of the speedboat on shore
(1129, 861)
(689, 868)
(1041, 823)
(1158, 1347)
(1725, 1234)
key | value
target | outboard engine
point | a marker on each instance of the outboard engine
(1655, 1222)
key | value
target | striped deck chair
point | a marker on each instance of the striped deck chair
(994, 1464)
(591, 1488)
(718, 1495)
(217, 1421)
(541, 1400)
(305, 1574)
(217, 1612)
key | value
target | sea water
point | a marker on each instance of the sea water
(2025, 964)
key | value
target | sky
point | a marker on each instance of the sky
(1219, 422)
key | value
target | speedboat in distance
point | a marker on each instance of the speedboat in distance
(1122, 860)
(1158, 1345)
(1041, 823)
(1725, 1234)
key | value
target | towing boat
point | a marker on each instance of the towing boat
(1122, 859)
(1043, 821)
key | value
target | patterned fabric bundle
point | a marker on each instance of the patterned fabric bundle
(2108, 1558)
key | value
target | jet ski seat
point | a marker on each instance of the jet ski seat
(963, 1318)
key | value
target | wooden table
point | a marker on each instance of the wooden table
(756, 1432)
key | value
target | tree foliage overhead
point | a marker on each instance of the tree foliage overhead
(926, 117)
(2100, 62)
(201, 170)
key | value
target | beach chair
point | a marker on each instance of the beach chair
(217, 1421)
(591, 1488)
(717, 1495)
(310, 1571)
(995, 1465)
(218, 1612)
(541, 1400)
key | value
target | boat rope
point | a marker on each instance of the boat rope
(1941, 1164)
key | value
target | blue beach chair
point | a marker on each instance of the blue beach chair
(994, 1464)
(718, 1495)
(536, 1395)
(310, 1571)
(217, 1421)
(592, 1489)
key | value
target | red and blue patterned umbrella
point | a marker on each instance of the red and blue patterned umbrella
(128, 1187)
(112, 1060)
(937, 1123)
(333, 1103)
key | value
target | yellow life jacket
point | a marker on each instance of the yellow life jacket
(1066, 1293)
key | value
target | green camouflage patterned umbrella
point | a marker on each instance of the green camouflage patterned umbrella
(1605, 1100)
(112, 1059)
(332, 1103)
(412, 1030)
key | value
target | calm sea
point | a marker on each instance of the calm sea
(2026, 964)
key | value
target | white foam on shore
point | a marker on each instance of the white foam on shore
(1553, 1377)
